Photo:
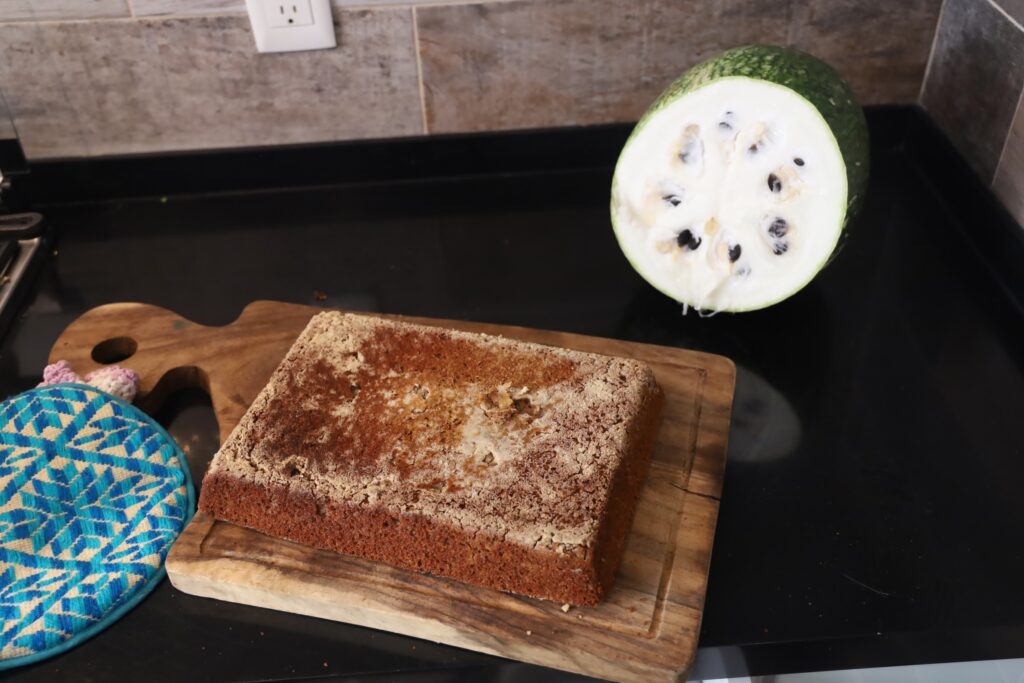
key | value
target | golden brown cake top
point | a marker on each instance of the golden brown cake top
(514, 440)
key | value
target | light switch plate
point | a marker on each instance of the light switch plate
(291, 25)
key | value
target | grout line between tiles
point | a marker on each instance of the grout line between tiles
(412, 4)
(1006, 14)
(131, 8)
(6, 104)
(419, 71)
(1006, 140)
(931, 54)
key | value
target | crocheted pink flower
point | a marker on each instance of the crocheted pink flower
(113, 379)
(59, 373)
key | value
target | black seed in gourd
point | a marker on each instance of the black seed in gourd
(774, 184)
(753, 148)
(778, 228)
(734, 253)
(780, 248)
(798, 161)
(724, 125)
(687, 240)
(673, 199)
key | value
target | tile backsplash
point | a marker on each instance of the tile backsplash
(973, 90)
(156, 8)
(95, 88)
(534, 63)
(101, 77)
(61, 10)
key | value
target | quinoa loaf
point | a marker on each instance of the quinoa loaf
(495, 462)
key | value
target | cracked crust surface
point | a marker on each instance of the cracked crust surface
(492, 461)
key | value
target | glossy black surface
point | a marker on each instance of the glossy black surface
(871, 512)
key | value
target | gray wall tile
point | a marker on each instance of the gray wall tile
(531, 63)
(537, 63)
(139, 86)
(975, 80)
(881, 47)
(178, 83)
(1009, 182)
(49, 10)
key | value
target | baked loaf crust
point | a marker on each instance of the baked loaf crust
(501, 463)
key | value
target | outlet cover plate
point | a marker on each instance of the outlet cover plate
(291, 25)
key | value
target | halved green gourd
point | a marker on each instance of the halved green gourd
(737, 185)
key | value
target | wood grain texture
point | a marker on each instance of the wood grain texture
(647, 629)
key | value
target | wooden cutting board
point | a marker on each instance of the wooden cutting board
(648, 627)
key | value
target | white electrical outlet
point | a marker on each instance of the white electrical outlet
(285, 14)
(290, 25)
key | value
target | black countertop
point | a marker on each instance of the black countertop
(871, 512)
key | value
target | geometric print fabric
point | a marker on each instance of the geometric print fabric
(92, 495)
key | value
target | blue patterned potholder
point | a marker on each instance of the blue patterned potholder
(93, 493)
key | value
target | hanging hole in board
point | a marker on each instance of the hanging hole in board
(114, 350)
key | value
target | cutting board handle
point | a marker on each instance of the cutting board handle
(171, 352)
